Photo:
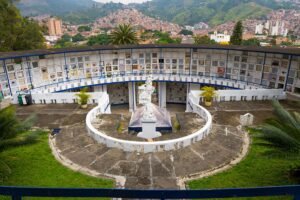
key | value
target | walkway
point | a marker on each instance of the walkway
(153, 170)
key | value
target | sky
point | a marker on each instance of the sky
(122, 1)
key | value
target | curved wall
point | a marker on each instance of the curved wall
(267, 67)
(146, 147)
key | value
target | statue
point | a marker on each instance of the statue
(145, 98)
(148, 119)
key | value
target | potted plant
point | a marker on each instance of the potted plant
(83, 97)
(208, 94)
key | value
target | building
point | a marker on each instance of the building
(272, 28)
(263, 67)
(55, 27)
(201, 26)
(220, 37)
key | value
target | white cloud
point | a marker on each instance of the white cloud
(122, 1)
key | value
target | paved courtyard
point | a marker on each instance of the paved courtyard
(153, 170)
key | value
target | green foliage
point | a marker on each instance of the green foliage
(53, 7)
(123, 34)
(84, 28)
(83, 97)
(251, 42)
(91, 14)
(101, 39)
(208, 93)
(120, 127)
(237, 35)
(14, 133)
(186, 32)
(65, 41)
(287, 43)
(212, 11)
(78, 38)
(164, 38)
(203, 40)
(176, 124)
(34, 165)
(182, 12)
(281, 132)
(16, 32)
(258, 169)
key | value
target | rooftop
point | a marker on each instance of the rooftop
(39, 52)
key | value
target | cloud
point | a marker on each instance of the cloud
(122, 1)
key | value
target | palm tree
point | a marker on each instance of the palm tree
(14, 133)
(124, 34)
(281, 132)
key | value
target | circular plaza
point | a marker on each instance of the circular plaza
(108, 140)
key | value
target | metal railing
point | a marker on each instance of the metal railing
(16, 193)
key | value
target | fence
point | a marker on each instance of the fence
(16, 193)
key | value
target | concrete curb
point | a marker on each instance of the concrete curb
(182, 181)
(119, 180)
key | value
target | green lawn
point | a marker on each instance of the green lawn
(259, 168)
(34, 165)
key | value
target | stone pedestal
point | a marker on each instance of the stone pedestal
(149, 129)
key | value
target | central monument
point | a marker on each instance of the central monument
(149, 119)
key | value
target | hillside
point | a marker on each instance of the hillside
(211, 11)
(91, 14)
(183, 12)
(53, 7)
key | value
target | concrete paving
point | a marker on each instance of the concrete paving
(153, 170)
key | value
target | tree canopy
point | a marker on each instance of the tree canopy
(237, 35)
(186, 32)
(84, 28)
(16, 32)
(203, 40)
(165, 38)
(251, 42)
(78, 38)
(101, 39)
(123, 34)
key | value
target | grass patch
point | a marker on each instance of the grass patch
(259, 168)
(34, 165)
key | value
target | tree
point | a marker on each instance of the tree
(16, 32)
(124, 34)
(29, 36)
(78, 38)
(237, 35)
(84, 28)
(281, 132)
(287, 43)
(186, 32)
(165, 38)
(251, 42)
(203, 40)
(102, 39)
(64, 41)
